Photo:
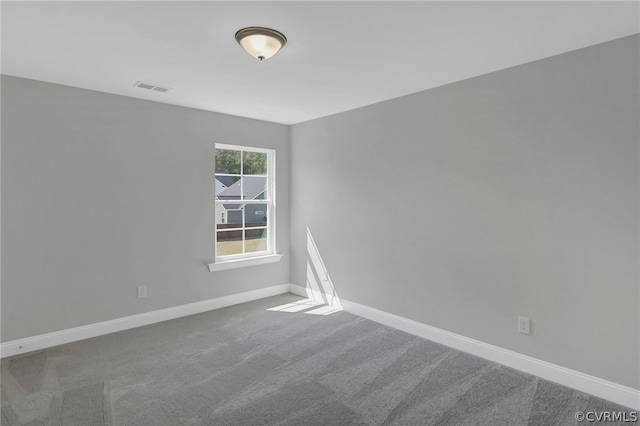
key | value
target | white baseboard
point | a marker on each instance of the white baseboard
(42, 341)
(315, 295)
(301, 291)
(605, 389)
(601, 388)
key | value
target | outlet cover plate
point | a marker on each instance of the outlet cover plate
(524, 325)
(142, 291)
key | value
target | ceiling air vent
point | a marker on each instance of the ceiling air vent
(150, 86)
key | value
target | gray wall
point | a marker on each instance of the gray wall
(510, 194)
(101, 193)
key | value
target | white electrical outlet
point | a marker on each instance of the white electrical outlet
(142, 291)
(524, 325)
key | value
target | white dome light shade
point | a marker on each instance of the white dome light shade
(261, 43)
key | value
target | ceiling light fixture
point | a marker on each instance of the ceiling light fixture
(261, 43)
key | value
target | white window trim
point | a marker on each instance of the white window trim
(244, 262)
(258, 258)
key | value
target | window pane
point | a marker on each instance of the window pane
(229, 242)
(256, 240)
(227, 187)
(228, 216)
(254, 187)
(254, 163)
(235, 216)
(227, 161)
(255, 215)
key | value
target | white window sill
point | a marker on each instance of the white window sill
(241, 263)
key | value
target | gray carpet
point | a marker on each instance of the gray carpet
(248, 365)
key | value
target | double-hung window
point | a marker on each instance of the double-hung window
(245, 202)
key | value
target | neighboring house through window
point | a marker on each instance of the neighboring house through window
(245, 208)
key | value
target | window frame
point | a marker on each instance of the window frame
(270, 202)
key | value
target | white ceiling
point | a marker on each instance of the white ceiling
(340, 55)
